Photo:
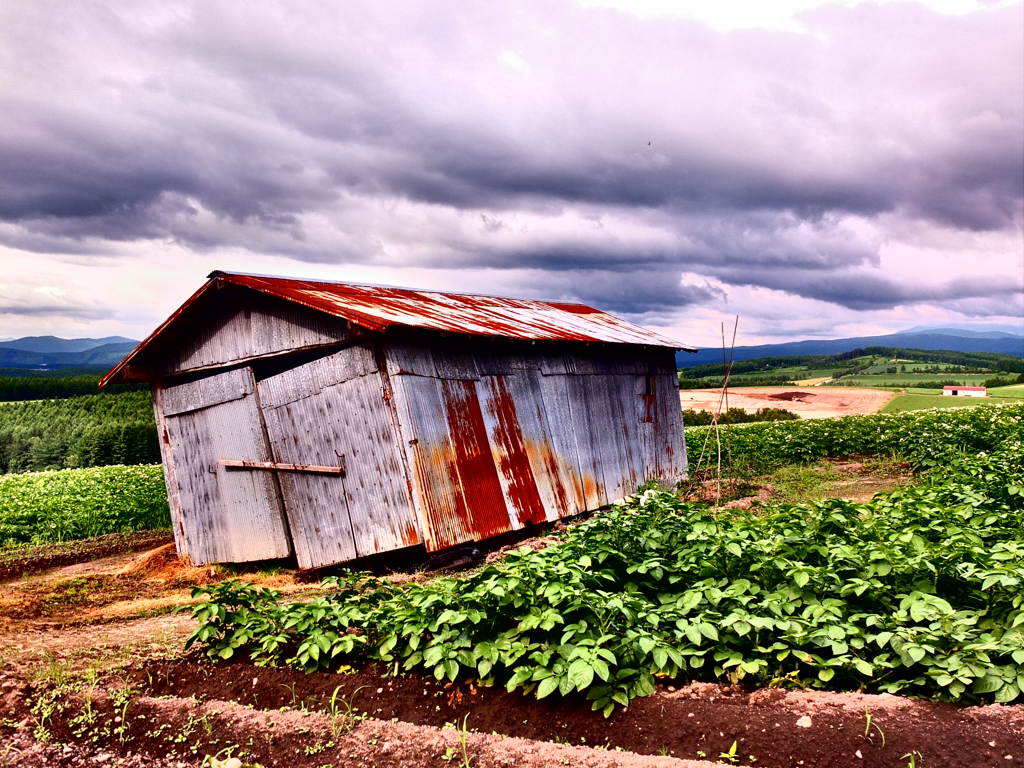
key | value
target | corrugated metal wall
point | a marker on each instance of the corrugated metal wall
(238, 328)
(499, 436)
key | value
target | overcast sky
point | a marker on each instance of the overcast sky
(820, 169)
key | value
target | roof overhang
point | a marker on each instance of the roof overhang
(380, 308)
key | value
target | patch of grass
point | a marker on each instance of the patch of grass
(912, 380)
(916, 402)
(1012, 390)
(862, 477)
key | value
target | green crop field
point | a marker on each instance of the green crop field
(871, 367)
(918, 402)
(917, 591)
(52, 507)
(913, 379)
(1014, 390)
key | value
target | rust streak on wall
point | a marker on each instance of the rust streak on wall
(483, 511)
(549, 460)
(591, 487)
(513, 459)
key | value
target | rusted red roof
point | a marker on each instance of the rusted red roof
(378, 308)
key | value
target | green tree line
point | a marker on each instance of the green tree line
(848, 362)
(83, 431)
(18, 386)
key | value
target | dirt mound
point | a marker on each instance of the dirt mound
(28, 560)
(111, 727)
(801, 396)
(164, 564)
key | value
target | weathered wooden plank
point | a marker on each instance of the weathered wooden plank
(180, 524)
(457, 492)
(556, 426)
(438, 502)
(316, 505)
(379, 501)
(313, 377)
(210, 390)
(356, 423)
(625, 428)
(413, 357)
(456, 359)
(493, 358)
(602, 430)
(503, 414)
(551, 456)
(669, 442)
(281, 466)
(561, 431)
(237, 327)
(644, 409)
(552, 362)
(232, 516)
(478, 476)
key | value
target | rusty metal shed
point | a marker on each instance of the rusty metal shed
(333, 421)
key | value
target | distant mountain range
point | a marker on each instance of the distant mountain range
(960, 340)
(52, 352)
(41, 352)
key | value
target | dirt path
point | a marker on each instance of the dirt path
(806, 402)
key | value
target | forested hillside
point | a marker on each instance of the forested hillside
(84, 431)
(16, 384)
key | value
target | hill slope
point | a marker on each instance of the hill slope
(57, 353)
(968, 341)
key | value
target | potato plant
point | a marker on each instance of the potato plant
(917, 591)
(925, 437)
(50, 507)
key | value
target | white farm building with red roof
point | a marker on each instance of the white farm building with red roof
(958, 391)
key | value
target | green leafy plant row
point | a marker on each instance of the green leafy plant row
(929, 438)
(918, 591)
(49, 507)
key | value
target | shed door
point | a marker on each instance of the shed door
(230, 515)
(331, 413)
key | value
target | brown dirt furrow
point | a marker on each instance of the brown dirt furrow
(184, 729)
(776, 727)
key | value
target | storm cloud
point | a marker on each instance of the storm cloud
(645, 165)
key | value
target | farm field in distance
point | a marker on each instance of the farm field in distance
(847, 587)
(820, 385)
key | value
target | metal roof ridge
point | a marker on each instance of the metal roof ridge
(226, 272)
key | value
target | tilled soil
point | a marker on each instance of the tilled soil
(771, 727)
(806, 402)
(184, 731)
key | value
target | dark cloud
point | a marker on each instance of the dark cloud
(650, 296)
(374, 135)
(862, 290)
(55, 309)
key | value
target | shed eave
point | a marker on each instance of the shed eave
(379, 308)
(119, 370)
